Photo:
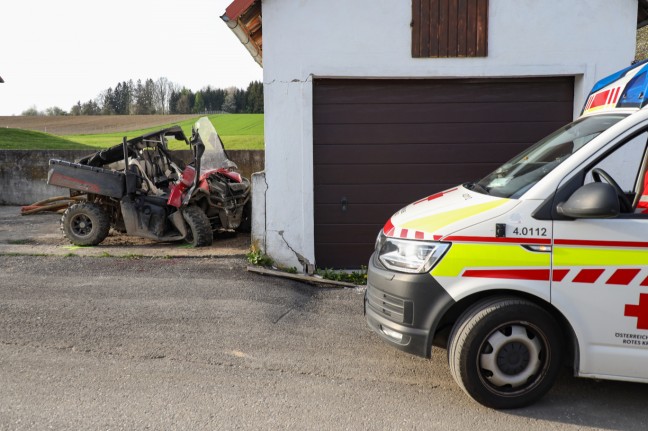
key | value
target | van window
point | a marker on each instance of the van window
(624, 163)
(518, 175)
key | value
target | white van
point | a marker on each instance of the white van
(543, 262)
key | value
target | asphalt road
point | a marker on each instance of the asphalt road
(193, 343)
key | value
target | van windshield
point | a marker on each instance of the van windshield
(518, 175)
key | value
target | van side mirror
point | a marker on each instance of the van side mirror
(593, 200)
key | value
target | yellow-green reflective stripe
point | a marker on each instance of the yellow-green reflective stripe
(462, 256)
(577, 256)
(437, 221)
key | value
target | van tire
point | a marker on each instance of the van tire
(505, 352)
(200, 233)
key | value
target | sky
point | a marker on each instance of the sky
(55, 53)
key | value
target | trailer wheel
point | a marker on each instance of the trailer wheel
(85, 223)
(505, 352)
(200, 231)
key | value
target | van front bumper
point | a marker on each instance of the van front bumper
(404, 309)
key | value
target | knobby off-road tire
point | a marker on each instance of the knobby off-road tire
(505, 352)
(85, 223)
(200, 231)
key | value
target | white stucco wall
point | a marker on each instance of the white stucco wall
(306, 39)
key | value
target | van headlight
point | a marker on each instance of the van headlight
(407, 255)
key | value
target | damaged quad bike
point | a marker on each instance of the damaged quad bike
(140, 188)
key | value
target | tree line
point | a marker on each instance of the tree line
(162, 96)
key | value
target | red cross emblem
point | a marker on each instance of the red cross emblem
(639, 311)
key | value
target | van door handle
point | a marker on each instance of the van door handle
(345, 204)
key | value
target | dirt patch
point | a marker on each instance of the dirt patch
(89, 124)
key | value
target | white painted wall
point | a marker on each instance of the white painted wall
(303, 39)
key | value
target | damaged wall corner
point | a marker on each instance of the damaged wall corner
(307, 266)
(283, 250)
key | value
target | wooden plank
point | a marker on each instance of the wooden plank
(471, 28)
(416, 28)
(482, 29)
(462, 23)
(310, 279)
(443, 27)
(425, 28)
(453, 27)
(433, 32)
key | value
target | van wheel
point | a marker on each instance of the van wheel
(200, 232)
(85, 223)
(505, 352)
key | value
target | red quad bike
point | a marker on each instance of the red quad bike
(140, 188)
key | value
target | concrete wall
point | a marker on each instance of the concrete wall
(23, 174)
(302, 40)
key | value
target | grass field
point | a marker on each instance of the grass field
(18, 139)
(237, 131)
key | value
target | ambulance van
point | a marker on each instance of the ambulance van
(541, 264)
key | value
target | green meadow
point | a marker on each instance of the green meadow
(19, 139)
(237, 131)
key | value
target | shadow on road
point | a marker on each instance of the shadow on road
(588, 403)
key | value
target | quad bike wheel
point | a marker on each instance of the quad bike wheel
(85, 223)
(505, 352)
(200, 231)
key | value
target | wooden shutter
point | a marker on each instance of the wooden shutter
(449, 28)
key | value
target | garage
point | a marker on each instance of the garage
(381, 144)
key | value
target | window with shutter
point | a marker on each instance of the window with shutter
(449, 28)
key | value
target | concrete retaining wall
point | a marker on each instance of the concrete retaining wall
(23, 174)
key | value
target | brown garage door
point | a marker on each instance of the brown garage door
(381, 144)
